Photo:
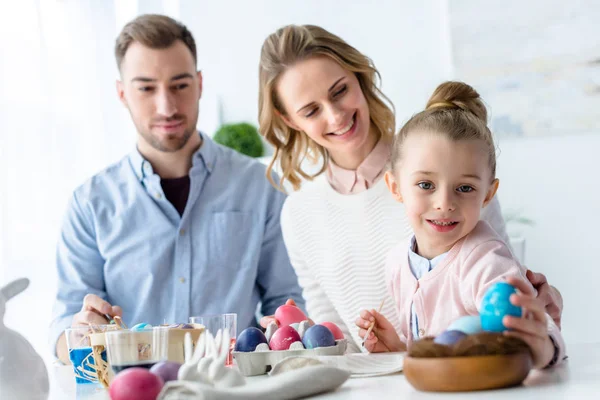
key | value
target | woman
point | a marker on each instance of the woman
(319, 100)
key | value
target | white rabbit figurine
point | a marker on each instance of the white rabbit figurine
(23, 374)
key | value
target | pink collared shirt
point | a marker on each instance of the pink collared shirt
(346, 181)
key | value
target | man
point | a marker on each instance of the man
(179, 227)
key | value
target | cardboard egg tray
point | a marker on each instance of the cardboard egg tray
(260, 362)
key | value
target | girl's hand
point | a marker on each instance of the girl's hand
(532, 327)
(383, 338)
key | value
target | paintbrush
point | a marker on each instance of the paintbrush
(372, 323)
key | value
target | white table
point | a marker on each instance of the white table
(578, 378)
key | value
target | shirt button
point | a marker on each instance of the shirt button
(421, 332)
(181, 232)
(182, 280)
(158, 196)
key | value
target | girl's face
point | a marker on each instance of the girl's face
(444, 185)
(326, 102)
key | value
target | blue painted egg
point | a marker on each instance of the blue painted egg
(469, 324)
(249, 339)
(495, 305)
(140, 327)
(318, 336)
(448, 337)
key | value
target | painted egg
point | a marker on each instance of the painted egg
(495, 305)
(337, 332)
(469, 324)
(167, 370)
(448, 337)
(318, 336)
(283, 338)
(287, 315)
(249, 339)
(135, 383)
(186, 326)
(140, 327)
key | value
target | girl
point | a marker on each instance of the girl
(319, 100)
(443, 168)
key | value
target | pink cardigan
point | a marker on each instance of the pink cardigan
(455, 287)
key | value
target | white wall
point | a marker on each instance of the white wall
(406, 39)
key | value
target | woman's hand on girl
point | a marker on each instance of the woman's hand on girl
(549, 295)
(383, 337)
(532, 327)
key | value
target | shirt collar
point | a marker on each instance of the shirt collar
(206, 155)
(343, 180)
(416, 258)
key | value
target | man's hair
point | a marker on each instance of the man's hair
(154, 31)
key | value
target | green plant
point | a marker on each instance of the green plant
(242, 137)
(515, 222)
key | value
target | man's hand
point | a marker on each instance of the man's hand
(93, 312)
(267, 319)
(548, 295)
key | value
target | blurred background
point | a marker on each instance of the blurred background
(536, 64)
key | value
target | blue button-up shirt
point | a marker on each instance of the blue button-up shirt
(419, 266)
(123, 240)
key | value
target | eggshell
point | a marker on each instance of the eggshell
(495, 305)
(318, 336)
(469, 324)
(135, 383)
(337, 332)
(448, 338)
(141, 326)
(287, 315)
(283, 338)
(167, 370)
(249, 339)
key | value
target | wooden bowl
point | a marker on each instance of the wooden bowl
(464, 374)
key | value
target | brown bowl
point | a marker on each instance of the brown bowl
(463, 374)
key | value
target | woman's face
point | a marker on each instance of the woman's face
(326, 102)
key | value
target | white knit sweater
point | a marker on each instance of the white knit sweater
(338, 245)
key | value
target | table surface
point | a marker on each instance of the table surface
(577, 378)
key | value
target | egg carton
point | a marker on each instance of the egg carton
(260, 362)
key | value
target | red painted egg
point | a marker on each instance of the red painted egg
(283, 338)
(135, 383)
(337, 332)
(287, 315)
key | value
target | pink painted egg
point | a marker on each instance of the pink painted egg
(283, 338)
(287, 315)
(337, 332)
(135, 383)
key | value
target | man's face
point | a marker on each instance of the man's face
(161, 89)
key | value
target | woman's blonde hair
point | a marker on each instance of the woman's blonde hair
(454, 110)
(283, 49)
